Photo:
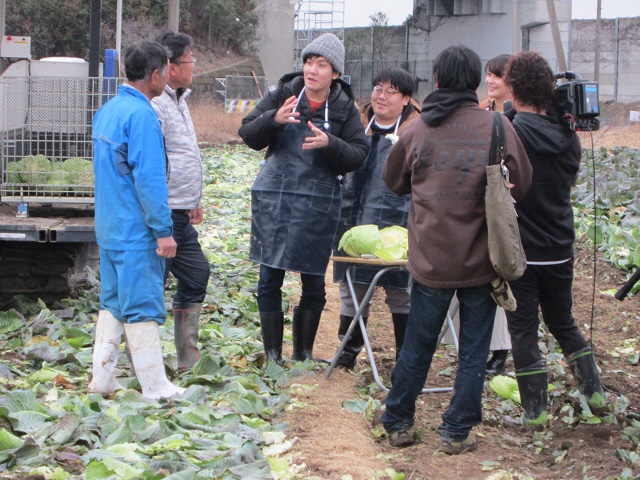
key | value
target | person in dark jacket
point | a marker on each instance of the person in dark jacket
(367, 200)
(441, 160)
(499, 93)
(545, 218)
(311, 127)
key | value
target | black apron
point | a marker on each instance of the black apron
(368, 200)
(295, 206)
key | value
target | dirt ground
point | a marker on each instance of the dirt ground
(334, 442)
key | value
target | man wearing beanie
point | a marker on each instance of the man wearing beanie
(311, 127)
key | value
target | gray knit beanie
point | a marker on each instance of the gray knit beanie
(330, 47)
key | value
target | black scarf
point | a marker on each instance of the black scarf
(441, 103)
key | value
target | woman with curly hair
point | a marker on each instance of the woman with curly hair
(545, 218)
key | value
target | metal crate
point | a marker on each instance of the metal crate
(46, 153)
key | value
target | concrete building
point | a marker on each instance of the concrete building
(490, 27)
(276, 42)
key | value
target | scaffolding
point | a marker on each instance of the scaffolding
(315, 17)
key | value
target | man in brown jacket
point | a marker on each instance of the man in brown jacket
(441, 162)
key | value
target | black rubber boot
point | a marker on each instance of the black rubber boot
(497, 365)
(399, 329)
(305, 327)
(533, 385)
(186, 322)
(353, 346)
(584, 369)
(272, 328)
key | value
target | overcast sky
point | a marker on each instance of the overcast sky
(356, 12)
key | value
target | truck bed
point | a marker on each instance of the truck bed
(68, 223)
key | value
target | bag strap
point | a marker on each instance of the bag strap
(496, 149)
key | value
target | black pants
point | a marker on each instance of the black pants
(190, 265)
(270, 290)
(547, 287)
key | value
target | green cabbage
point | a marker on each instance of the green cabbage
(360, 240)
(388, 244)
(35, 169)
(394, 243)
(57, 182)
(507, 387)
(80, 174)
(13, 172)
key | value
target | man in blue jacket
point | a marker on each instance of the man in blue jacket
(133, 225)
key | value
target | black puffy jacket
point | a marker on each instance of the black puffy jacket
(348, 145)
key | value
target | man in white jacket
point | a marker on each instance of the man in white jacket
(190, 266)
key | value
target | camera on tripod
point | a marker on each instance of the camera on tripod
(577, 101)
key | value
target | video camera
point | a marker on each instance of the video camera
(577, 101)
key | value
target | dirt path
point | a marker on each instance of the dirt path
(333, 441)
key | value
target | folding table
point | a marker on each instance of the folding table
(386, 266)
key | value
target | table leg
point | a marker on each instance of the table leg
(357, 320)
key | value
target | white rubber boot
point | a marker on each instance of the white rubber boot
(106, 350)
(146, 355)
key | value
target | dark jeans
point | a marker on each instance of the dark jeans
(548, 288)
(429, 308)
(190, 266)
(270, 290)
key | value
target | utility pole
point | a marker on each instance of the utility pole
(555, 32)
(174, 15)
(3, 16)
(94, 38)
(596, 62)
(3, 10)
(119, 31)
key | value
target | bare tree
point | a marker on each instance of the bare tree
(356, 44)
(379, 34)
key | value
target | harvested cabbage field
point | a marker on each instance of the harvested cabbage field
(242, 419)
